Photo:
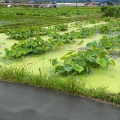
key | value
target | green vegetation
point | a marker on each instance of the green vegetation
(61, 27)
(40, 46)
(22, 23)
(21, 75)
(24, 33)
(37, 46)
(113, 11)
(9, 18)
(62, 11)
(110, 27)
(95, 55)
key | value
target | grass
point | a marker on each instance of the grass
(9, 19)
(69, 85)
(26, 21)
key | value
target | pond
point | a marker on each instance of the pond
(98, 78)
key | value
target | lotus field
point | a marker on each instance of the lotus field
(70, 49)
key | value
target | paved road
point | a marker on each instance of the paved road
(22, 102)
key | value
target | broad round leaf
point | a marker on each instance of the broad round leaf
(78, 68)
(102, 62)
(67, 67)
(54, 62)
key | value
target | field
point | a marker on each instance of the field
(67, 49)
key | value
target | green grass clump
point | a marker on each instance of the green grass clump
(69, 85)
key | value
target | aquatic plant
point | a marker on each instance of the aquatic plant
(24, 33)
(40, 46)
(95, 55)
(77, 62)
(61, 27)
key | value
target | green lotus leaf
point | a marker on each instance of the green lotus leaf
(78, 68)
(102, 62)
(54, 62)
(68, 67)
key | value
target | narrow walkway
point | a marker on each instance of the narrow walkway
(22, 102)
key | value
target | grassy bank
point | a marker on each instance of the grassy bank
(69, 85)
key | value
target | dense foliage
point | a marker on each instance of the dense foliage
(62, 11)
(113, 11)
(24, 33)
(112, 26)
(76, 62)
(22, 17)
(39, 46)
(107, 43)
(95, 55)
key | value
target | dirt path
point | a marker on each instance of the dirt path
(22, 102)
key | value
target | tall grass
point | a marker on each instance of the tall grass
(69, 85)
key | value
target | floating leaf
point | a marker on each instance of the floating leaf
(102, 62)
(91, 59)
(18, 54)
(78, 68)
(68, 67)
(23, 52)
(54, 62)
(60, 69)
(82, 63)
(12, 53)
(34, 44)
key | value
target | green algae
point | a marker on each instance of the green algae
(99, 77)
(109, 78)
